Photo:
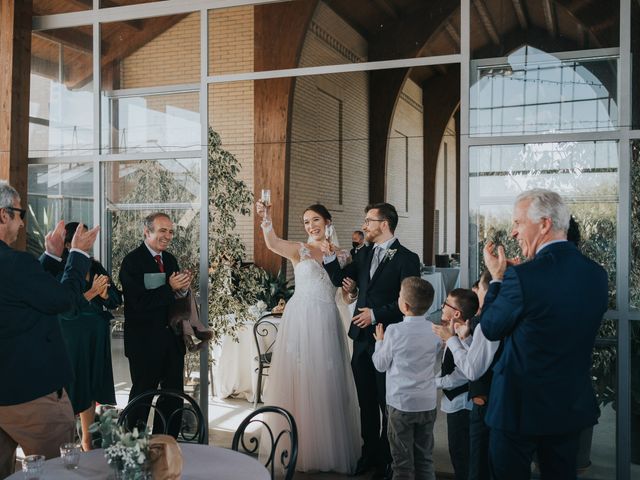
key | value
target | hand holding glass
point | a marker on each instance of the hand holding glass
(70, 454)
(265, 197)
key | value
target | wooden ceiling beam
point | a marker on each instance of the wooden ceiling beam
(346, 14)
(453, 35)
(521, 14)
(487, 22)
(550, 17)
(70, 38)
(386, 7)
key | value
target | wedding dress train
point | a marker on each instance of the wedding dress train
(310, 374)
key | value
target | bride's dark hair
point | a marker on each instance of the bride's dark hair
(319, 209)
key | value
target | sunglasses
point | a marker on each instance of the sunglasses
(22, 211)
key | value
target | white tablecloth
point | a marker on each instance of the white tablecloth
(440, 292)
(451, 277)
(235, 372)
(200, 462)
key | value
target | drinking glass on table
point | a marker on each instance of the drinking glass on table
(33, 467)
(265, 197)
(70, 454)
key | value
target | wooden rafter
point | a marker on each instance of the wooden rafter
(487, 22)
(387, 8)
(453, 34)
(550, 17)
(521, 14)
(70, 38)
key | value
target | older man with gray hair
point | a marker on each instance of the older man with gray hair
(35, 411)
(547, 311)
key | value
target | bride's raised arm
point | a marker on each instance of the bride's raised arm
(284, 248)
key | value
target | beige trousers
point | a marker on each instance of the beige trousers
(38, 426)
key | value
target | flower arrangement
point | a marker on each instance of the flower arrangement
(126, 452)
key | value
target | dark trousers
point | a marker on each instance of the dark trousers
(370, 386)
(458, 435)
(411, 441)
(478, 444)
(510, 455)
(162, 371)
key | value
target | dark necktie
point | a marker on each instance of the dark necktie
(158, 260)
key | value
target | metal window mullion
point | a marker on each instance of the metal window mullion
(204, 212)
(623, 418)
(465, 64)
(97, 128)
(611, 135)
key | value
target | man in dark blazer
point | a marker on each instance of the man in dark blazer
(548, 311)
(35, 411)
(357, 242)
(151, 281)
(378, 271)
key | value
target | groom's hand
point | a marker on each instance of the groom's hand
(363, 319)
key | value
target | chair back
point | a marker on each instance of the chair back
(277, 429)
(192, 424)
(265, 331)
(442, 261)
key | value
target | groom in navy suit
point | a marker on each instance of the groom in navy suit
(548, 311)
(378, 271)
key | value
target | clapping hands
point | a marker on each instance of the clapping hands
(180, 281)
(99, 287)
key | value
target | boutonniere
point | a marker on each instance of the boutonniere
(390, 253)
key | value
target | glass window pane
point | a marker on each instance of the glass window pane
(584, 173)
(56, 192)
(534, 92)
(301, 34)
(61, 100)
(499, 27)
(150, 123)
(634, 273)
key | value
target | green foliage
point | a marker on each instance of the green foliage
(275, 287)
(37, 231)
(233, 286)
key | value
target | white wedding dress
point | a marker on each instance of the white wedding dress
(310, 374)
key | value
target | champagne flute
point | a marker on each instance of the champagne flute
(328, 232)
(265, 197)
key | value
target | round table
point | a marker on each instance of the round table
(199, 462)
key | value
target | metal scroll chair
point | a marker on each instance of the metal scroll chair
(191, 427)
(278, 427)
(265, 331)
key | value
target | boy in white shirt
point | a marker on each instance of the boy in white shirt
(407, 352)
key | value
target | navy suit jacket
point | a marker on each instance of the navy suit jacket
(33, 355)
(548, 311)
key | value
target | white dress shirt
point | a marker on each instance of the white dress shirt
(473, 361)
(408, 354)
(453, 380)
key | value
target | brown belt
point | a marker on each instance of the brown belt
(480, 400)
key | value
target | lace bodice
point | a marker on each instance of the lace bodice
(311, 279)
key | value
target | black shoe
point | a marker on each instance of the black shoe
(383, 472)
(363, 466)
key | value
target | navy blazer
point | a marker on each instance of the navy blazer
(548, 311)
(146, 312)
(380, 293)
(33, 355)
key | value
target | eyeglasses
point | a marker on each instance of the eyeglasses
(23, 212)
(367, 221)
(450, 306)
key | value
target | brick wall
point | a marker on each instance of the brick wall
(405, 166)
(174, 58)
(325, 109)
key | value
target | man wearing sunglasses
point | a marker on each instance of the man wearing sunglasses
(35, 411)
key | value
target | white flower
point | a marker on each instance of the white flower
(390, 253)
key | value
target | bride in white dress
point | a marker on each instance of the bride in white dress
(310, 374)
